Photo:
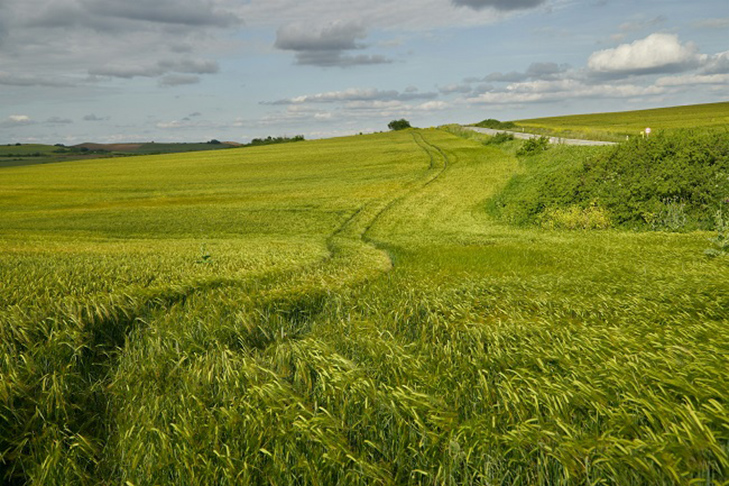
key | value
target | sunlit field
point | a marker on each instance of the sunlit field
(344, 312)
(616, 126)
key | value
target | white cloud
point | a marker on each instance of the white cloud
(499, 4)
(463, 88)
(560, 90)
(355, 94)
(58, 43)
(693, 80)
(657, 53)
(717, 64)
(335, 36)
(174, 12)
(325, 46)
(160, 68)
(402, 16)
(188, 124)
(57, 120)
(93, 118)
(433, 106)
(24, 80)
(16, 121)
(717, 23)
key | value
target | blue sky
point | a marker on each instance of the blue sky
(191, 70)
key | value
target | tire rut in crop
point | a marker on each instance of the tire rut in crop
(285, 305)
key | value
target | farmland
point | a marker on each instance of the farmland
(616, 126)
(347, 311)
(15, 155)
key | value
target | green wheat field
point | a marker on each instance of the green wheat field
(347, 312)
(618, 126)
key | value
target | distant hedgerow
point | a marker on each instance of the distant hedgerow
(496, 124)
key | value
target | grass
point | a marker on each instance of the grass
(18, 155)
(618, 126)
(359, 319)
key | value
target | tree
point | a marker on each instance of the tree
(400, 124)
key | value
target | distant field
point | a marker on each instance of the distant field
(346, 312)
(27, 154)
(151, 148)
(14, 155)
(616, 126)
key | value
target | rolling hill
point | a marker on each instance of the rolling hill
(616, 126)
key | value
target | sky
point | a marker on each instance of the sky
(74, 71)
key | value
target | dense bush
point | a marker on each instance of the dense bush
(534, 146)
(667, 182)
(499, 138)
(401, 124)
(496, 124)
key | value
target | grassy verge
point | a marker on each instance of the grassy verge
(673, 182)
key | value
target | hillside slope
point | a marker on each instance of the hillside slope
(616, 126)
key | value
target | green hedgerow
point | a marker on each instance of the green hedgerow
(668, 182)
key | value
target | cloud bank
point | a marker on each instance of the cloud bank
(326, 46)
(657, 53)
(499, 4)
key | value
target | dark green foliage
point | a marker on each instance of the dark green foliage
(400, 124)
(496, 124)
(499, 138)
(273, 140)
(534, 146)
(667, 182)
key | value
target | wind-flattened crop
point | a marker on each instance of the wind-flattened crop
(360, 320)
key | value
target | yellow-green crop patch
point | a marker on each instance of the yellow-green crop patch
(616, 126)
(346, 312)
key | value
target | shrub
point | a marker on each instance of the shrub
(721, 240)
(670, 217)
(499, 138)
(496, 124)
(534, 146)
(401, 124)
